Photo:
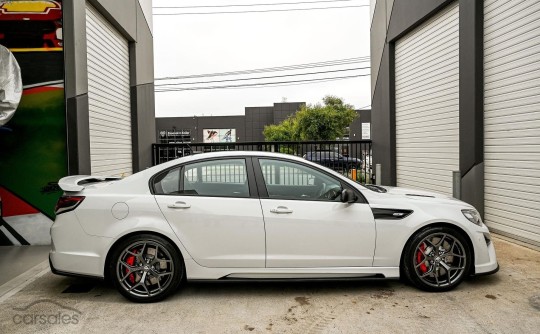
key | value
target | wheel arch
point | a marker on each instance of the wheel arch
(455, 227)
(131, 234)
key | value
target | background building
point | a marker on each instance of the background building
(455, 88)
(87, 105)
(248, 127)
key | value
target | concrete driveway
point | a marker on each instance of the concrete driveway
(508, 302)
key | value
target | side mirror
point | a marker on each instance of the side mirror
(348, 196)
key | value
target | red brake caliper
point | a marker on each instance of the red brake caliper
(130, 261)
(420, 258)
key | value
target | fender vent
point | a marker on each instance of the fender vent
(390, 214)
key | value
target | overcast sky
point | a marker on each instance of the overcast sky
(201, 44)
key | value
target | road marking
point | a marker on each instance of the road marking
(20, 282)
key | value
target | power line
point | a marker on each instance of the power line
(328, 63)
(262, 11)
(252, 4)
(267, 77)
(293, 84)
(255, 84)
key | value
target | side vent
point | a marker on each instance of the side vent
(390, 214)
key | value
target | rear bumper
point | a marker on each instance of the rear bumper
(73, 252)
(63, 273)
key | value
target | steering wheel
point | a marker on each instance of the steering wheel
(322, 191)
(331, 194)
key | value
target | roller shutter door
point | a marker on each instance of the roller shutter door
(512, 118)
(108, 97)
(427, 103)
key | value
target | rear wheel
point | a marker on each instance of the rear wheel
(437, 259)
(146, 268)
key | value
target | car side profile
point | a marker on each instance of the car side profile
(258, 215)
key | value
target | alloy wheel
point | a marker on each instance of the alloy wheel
(440, 260)
(145, 269)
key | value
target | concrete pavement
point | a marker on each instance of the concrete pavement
(507, 302)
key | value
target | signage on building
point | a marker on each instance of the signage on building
(219, 135)
(366, 130)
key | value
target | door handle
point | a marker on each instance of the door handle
(179, 205)
(281, 209)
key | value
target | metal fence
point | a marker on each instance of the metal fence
(351, 158)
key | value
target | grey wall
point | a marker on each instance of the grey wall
(364, 116)
(128, 17)
(393, 19)
(197, 124)
(248, 127)
(256, 119)
(285, 109)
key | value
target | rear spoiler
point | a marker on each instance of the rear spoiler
(78, 182)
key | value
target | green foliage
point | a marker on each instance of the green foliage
(325, 121)
(284, 131)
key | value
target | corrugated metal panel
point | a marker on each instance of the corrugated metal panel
(512, 118)
(108, 97)
(427, 103)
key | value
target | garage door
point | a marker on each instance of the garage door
(108, 97)
(427, 103)
(512, 118)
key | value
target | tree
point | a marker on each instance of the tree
(284, 131)
(325, 121)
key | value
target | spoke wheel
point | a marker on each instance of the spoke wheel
(146, 268)
(437, 259)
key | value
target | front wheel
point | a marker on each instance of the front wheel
(437, 259)
(146, 268)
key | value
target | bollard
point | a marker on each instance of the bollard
(353, 174)
(456, 184)
(378, 174)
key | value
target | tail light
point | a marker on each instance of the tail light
(67, 203)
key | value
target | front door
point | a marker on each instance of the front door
(306, 223)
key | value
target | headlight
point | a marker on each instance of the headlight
(473, 216)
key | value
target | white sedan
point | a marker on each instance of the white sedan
(256, 215)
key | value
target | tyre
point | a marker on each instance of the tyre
(437, 259)
(146, 268)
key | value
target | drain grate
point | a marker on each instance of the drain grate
(80, 287)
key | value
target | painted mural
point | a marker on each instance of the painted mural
(33, 153)
(219, 135)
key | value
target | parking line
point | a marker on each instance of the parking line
(18, 283)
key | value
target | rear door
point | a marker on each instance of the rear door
(213, 208)
(306, 223)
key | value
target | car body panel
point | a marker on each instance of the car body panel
(219, 232)
(318, 234)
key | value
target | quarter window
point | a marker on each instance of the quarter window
(168, 183)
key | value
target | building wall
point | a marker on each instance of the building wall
(128, 16)
(249, 127)
(391, 21)
(255, 121)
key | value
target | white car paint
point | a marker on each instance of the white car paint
(219, 232)
(226, 238)
(318, 234)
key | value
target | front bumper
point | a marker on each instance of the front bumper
(485, 257)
